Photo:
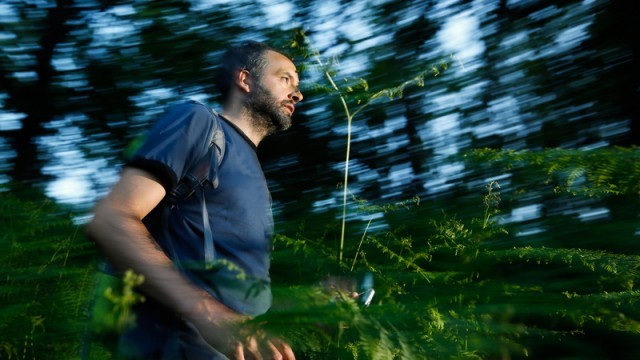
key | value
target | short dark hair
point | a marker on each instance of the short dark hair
(248, 55)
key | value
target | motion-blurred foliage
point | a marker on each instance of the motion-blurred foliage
(525, 249)
(47, 275)
(447, 285)
(473, 285)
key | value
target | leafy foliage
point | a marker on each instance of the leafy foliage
(46, 279)
(597, 172)
(463, 287)
(472, 288)
(363, 99)
(468, 285)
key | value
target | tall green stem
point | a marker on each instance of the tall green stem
(392, 92)
(346, 162)
(344, 193)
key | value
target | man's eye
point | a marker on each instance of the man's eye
(285, 79)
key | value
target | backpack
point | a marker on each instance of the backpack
(198, 177)
(201, 175)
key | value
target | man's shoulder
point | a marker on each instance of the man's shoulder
(194, 106)
(181, 137)
(199, 118)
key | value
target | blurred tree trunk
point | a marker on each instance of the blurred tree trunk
(494, 29)
(418, 155)
(36, 99)
(408, 43)
(617, 29)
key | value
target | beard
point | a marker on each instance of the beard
(267, 112)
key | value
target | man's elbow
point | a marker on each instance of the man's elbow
(98, 226)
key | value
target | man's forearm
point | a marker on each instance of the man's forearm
(128, 245)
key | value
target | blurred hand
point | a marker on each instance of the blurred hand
(253, 348)
(221, 328)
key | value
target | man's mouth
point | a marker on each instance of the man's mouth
(290, 107)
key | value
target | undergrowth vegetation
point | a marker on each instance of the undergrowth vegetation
(46, 279)
(457, 278)
(476, 286)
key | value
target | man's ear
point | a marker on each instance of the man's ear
(243, 81)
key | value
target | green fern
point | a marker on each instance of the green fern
(45, 279)
(597, 172)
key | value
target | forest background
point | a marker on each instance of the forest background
(493, 176)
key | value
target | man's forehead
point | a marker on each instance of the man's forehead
(280, 62)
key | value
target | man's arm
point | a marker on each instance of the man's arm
(119, 233)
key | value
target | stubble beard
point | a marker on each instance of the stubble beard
(267, 113)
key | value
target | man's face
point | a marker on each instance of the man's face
(276, 93)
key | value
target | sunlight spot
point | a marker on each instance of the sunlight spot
(526, 213)
(277, 12)
(11, 121)
(460, 35)
(70, 189)
(593, 214)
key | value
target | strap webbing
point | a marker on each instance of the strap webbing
(209, 250)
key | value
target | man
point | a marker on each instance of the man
(183, 316)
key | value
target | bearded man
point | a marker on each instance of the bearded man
(194, 311)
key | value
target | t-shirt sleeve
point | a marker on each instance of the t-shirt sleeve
(177, 141)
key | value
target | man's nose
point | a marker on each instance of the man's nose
(296, 96)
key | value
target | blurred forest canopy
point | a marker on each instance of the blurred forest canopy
(540, 98)
(80, 79)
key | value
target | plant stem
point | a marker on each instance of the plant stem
(419, 80)
(486, 217)
(344, 193)
(346, 162)
(360, 244)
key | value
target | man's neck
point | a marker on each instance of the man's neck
(241, 118)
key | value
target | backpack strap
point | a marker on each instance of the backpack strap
(217, 147)
(202, 174)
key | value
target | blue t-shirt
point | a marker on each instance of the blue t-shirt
(239, 208)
